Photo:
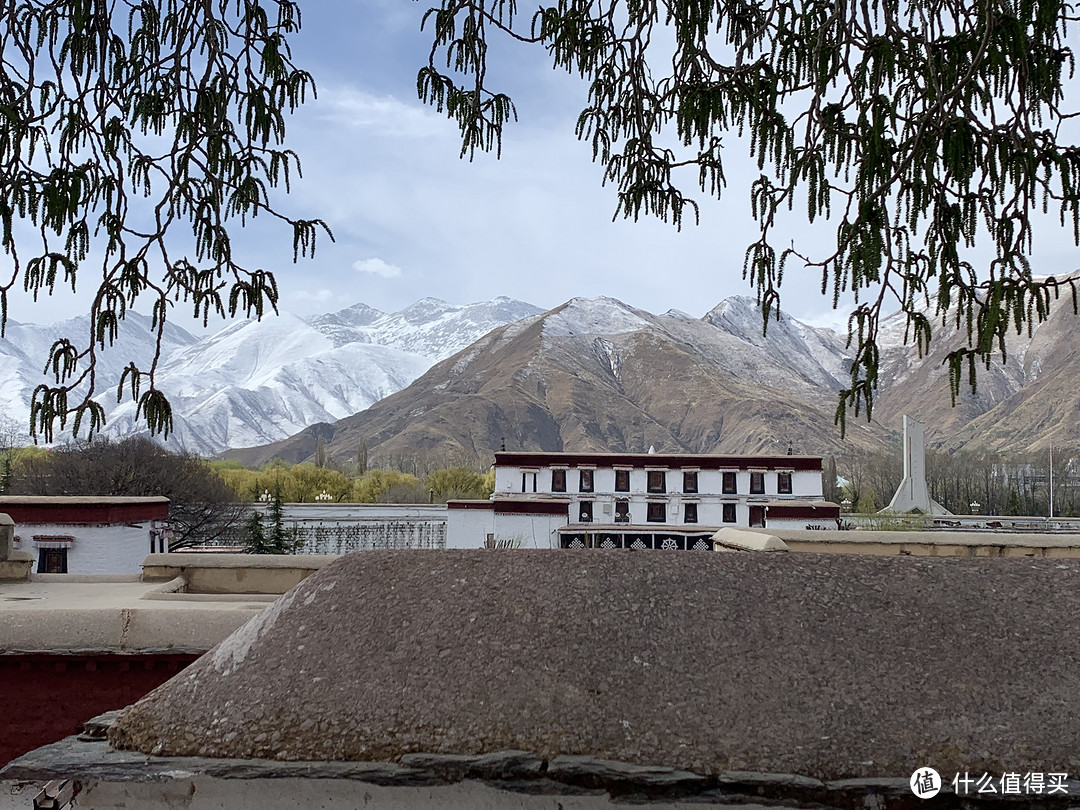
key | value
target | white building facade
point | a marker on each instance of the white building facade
(88, 534)
(655, 500)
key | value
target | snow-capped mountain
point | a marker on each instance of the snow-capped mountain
(597, 374)
(590, 374)
(429, 328)
(261, 381)
(25, 349)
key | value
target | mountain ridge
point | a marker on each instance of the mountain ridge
(597, 374)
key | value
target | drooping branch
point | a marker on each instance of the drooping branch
(138, 136)
(921, 128)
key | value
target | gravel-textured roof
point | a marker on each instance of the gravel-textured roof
(829, 666)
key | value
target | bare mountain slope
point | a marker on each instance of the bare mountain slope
(598, 374)
(1019, 404)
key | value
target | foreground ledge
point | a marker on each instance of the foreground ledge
(106, 778)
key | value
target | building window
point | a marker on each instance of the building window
(757, 483)
(783, 483)
(528, 482)
(585, 512)
(585, 481)
(657, 481)
(729, 487)
(622, 480)
(558, 480)
(690, 513)
(52, 561)
(622, 511)
(657, 512)
(729, 513)
(689, 482)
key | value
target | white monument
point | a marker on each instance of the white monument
(912, 495)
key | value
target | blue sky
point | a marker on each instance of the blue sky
(412, 219)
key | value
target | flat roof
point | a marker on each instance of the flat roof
(857, 537)
(79, 500)
(64, 613)
(704, 461)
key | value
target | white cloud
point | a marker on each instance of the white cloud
(315, 296)
(377, 267)
(381, 115)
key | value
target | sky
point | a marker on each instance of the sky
(411, 219)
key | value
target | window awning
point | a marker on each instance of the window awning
(53, 540)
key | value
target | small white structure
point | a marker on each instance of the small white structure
(913, 495)
(625, 500)
(746, 540)
(88, 534)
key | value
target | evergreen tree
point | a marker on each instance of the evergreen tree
(255, 536)
(281, 540)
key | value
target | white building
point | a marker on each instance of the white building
(95, 534)
(623, 500)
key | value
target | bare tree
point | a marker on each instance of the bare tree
(202, 510)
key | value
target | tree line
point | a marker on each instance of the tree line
(962, 482)
(210, 501)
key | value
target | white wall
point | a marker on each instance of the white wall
(468, 528)
(531, 531)
(116, 549)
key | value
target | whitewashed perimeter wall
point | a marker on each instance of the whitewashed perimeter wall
(338, 528)
(116, 549)
(468, 528)
(529, 531)
(805, 523)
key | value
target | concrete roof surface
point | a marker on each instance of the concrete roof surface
(828, 666)
(69, 613)
(932, 538)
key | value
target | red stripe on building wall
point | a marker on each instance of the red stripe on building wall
(655, 460)
(85, 513)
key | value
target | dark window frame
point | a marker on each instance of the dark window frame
(656, 475)
(784, 482)
(729, 483)
(757, 482)
(622, 515)
(558, 480)
(656, 512)
(729, 514)
(622, 477)
(690, 514)
(586, 480)
(690, 481)
(525, 480)
(585, 511)
(52, 561)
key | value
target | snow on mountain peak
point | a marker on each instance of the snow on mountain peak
(424, 310)
(593, 316)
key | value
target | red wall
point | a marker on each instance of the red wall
(48, 697)
(91, 513)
